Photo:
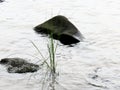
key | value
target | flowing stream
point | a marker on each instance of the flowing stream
(93, 64)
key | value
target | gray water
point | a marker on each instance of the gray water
(90, 65)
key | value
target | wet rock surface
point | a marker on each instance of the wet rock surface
(18, 65)
(61, 29)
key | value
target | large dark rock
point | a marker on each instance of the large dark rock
(18, 65)
(61, 29)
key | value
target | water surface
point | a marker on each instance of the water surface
(90, 65)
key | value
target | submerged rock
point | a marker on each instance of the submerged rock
(18, 65)
(61, 29)
(2, 1)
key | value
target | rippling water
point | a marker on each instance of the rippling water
(90, 65)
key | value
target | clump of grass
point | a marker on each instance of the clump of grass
(49, 63)
(52, 50)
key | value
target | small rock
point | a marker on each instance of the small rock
(18, 65)
(2, 1)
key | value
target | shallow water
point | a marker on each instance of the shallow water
(90, 65)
